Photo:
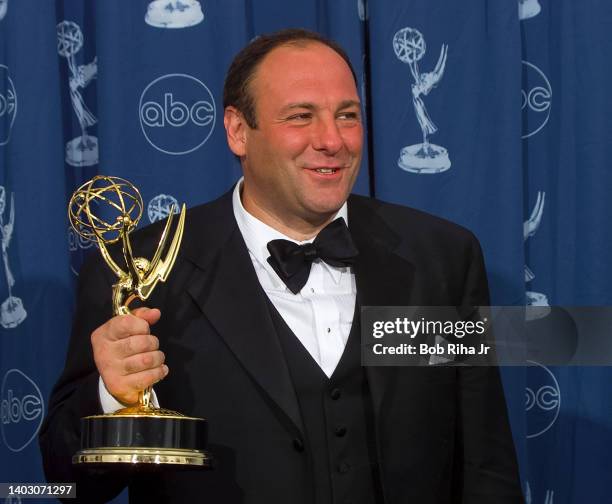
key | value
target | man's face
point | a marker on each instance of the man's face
(301, 161)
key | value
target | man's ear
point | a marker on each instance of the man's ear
(236, 130)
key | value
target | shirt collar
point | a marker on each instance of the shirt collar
(257, 234)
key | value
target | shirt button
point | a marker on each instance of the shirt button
(344, 467)
(298, 445)
(335, 394)
(340, 431)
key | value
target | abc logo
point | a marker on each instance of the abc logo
(8, 105)
(76, 245)
(542, 401)
(76, 241)
(536, 98)
(21, 410)
(177, 113)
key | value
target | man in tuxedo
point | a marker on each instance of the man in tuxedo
(259, 322)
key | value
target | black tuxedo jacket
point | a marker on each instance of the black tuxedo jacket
(442, 434)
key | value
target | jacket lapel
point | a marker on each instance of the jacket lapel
(383, 277)
(226, 288)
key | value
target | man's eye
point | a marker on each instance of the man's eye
(300, 117)
(351, 116)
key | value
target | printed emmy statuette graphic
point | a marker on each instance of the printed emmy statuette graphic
(548, 497)
(528, 9)
(174, 14)
(82, 150)
(161, 206)
(530, 226)
(362, 10)
(409, 46)
(12, 312)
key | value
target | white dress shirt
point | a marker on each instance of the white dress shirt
(320, 315)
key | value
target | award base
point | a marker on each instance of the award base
(180, 14)
(536, 299)
(82, 151)
(133, 456)
(12, 313)
(424, 159)
(529, 9)
(143, 437)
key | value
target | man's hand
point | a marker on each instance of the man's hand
(127, 355)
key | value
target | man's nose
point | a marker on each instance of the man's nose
(327, 136)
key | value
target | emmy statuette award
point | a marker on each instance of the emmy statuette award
(143, 434)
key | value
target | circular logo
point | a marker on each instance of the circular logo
(177, 113)
(536, 99)
(76, 241)
(21, 410)
(159, 207)
(8, 105)
(542, 401)
(76, 245)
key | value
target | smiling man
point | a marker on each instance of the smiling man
(260, 327)
(301, 150)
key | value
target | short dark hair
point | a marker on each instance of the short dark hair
(237, 87)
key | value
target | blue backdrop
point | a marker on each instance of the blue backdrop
(494, 114)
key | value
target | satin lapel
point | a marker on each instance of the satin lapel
(229, 294)
(383, 277)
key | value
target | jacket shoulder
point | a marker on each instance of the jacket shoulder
(415, 225)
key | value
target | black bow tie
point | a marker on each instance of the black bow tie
(292, 262)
